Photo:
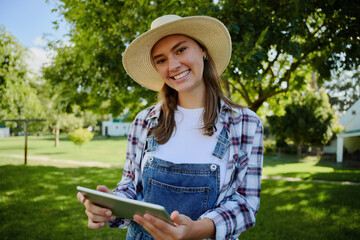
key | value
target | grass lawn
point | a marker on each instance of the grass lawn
(100, 149)
(113, 150)
(39, 202)
(304, 210)
(309, 168)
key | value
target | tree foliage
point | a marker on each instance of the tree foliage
(61, 113)
(343, 89)
(91, 67)
(18, 88)
(309, 120)
(275, 45)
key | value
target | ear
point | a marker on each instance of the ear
(204, 53)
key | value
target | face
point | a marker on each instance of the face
(179, 60)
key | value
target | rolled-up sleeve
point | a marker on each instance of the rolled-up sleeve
(237, 212)
(129, 186)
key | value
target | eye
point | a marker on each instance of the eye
(180, 50)
(161, 60)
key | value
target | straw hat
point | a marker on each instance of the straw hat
(208, 31)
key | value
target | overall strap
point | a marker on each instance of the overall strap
(222, 145)
(151, 144)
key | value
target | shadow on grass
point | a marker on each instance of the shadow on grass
(40, 202)
(303, 210)
(274, 160)
(341, 175)
(336, 176)
(50, 153)
(104, 138)
(65, 137)
(8, 148)
(310, 168)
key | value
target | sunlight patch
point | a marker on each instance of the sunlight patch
(287, 207)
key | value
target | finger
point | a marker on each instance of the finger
(180, 219)
(95, 225)
(94, 209)
(157, 222)
(103, 188)
(174, 215)
(151, 229)
(157, 228)
(98, 218)
(80, 197)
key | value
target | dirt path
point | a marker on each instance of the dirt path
(40, 160)
(292, 179)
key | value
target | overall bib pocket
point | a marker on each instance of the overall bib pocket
(191, 189)
(190, 201)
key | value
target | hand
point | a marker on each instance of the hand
(97, 216)
(184, 228)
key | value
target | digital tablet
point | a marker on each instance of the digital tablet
(123, 207)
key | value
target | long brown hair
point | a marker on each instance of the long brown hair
(214, 94)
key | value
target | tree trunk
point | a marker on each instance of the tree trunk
(318, 152)
(57, 133)
(257, 104)
(26, 136)
(299, 150)
(279, 152)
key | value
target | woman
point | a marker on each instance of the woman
(196, 152)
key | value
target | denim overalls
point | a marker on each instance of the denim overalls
(191, 189)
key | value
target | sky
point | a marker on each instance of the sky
(30, 21)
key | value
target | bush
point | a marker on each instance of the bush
(308, 121)
(269, 146)
(81, 136)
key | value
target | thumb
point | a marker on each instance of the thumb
(104, 189)
(179, 219)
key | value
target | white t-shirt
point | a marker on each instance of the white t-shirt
(188, 144)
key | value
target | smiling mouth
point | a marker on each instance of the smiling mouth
(181, 75)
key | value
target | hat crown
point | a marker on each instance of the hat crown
(163, 20)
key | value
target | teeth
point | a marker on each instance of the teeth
(181, 75)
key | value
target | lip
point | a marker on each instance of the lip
(181, 75)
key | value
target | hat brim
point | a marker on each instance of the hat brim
(208, 31)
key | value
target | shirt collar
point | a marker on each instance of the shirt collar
(154, 112)
(225, 107)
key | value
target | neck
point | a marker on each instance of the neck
(192, 100)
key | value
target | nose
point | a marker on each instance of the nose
(174, 64)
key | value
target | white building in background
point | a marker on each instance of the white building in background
(350, 137)
(4, 131)
(115, 127)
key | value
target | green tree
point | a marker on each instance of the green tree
(58, 117)
(275, 45)
(18, 88)
(309, 120)
(91, 65)
(59, 113)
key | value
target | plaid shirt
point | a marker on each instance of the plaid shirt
(239, 198)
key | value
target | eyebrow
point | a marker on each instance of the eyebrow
(172, 49)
